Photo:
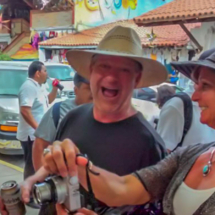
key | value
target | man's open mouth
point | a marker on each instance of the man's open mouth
(111, 93)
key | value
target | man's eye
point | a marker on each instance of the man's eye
(105, 66)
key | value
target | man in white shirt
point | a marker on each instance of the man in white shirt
(33, 102)
(171, 124)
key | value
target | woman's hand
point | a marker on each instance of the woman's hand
(61, 211)
(61, 159)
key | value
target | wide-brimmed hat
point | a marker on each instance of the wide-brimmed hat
(207, 59)
(123, 42)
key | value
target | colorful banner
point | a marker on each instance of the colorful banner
(90, 13)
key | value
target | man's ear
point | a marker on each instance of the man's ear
(138, 77)
(37, 74)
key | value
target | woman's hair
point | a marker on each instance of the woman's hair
(196, 72)
(164, 93)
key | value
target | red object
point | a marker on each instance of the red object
(51, 34)
(55, 83)
(82, 161)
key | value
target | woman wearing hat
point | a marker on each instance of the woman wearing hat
(185, 180)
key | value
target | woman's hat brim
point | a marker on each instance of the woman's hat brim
(153, 72)
(187, 67)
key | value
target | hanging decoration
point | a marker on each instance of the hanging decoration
(152, 36)
(36, 37)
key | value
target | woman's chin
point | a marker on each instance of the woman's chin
(203, 120)
(207, 122)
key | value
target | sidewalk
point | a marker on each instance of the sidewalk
(6, 174)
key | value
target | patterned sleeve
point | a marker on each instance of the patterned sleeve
(156, 178)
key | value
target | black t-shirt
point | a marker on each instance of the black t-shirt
(120, 147)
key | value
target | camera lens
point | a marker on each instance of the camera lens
(42, 193)
(53, 189)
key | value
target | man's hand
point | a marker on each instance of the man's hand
(62, 158)
(61, 211)
(25, 192)
(2, 208)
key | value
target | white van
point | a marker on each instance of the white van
(12, 76)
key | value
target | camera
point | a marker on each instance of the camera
(59, 190)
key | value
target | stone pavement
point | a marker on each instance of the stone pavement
(6, 174)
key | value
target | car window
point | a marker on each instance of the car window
(144, 94)
(62, 73)
(11, 81)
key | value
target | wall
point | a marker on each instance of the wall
(43, 20)
(205, 35)
(159, 54)
(42, 56)
(169, 54)
(105, 11)
(19, 26)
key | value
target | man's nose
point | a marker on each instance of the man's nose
(112, 73)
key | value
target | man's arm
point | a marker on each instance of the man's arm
(38, 147)
(27, 115)
(52, 96)
(27, 185)
(45, 136)
(27, 96)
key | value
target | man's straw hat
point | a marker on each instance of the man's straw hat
(124, 42)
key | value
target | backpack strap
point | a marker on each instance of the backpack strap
(188, 115)
(56, 113)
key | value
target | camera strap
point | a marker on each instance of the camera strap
(91, 196)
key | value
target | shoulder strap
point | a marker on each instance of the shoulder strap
(188, 115)
(56, 113)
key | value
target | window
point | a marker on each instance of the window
(147, 94)
(11, 81)
(62, 73)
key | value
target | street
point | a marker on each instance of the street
(10, 169)
(16, 160)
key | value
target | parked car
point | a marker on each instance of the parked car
(12, 76)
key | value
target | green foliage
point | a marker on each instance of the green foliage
(4, 57)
